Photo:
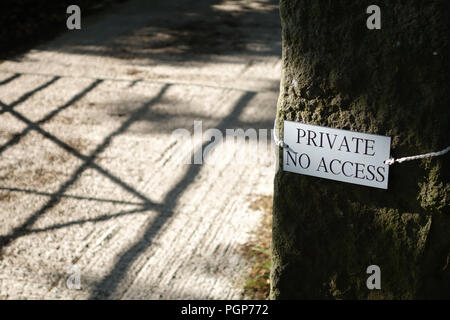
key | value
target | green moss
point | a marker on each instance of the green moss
(434, 195)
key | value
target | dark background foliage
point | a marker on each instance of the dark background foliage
(23, 23)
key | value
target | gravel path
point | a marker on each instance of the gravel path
(90, 174)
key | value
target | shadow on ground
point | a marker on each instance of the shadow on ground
(178, 31)
(172, 32)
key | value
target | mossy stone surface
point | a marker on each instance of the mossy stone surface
(392, 82)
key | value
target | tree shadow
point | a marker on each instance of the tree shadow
(172, 31)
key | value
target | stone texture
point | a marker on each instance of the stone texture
(393, 82)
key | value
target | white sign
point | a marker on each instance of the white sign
(336, 154)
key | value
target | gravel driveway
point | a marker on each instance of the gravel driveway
(90, 174)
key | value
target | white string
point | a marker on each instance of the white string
(420, 156)
(277, 141)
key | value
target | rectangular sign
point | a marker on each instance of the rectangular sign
(336, 154)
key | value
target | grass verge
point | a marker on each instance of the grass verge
(258, 252)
